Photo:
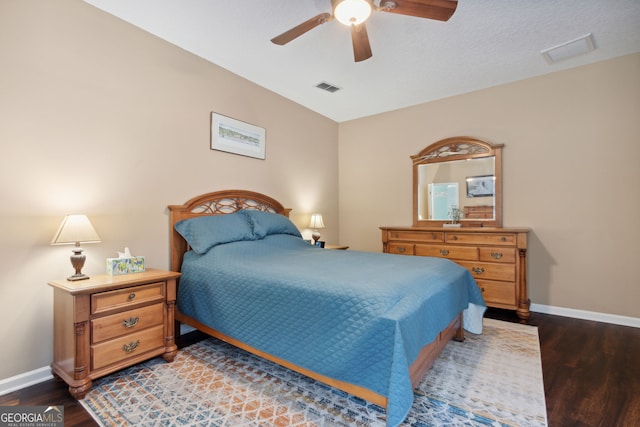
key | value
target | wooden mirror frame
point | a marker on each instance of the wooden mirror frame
(459, 148)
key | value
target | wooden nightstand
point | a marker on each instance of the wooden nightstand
(337, 247)
(107, 323)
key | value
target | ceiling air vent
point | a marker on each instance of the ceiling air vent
(328, 87)
(569, 49)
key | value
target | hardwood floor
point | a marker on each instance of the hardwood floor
(591, 374)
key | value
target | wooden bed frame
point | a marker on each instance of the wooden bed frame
(229, 201)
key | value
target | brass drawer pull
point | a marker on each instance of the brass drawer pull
(133, 321)
(401, 249)
(504, 239)
(478, 270)
(454, 238)
(131, 346)
(496, 255)
(444, 252)
(131, 296)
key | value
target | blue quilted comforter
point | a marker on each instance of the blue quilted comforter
(359, 317)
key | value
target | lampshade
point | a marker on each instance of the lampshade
(352, 12)
(316, 221)
(75, 229)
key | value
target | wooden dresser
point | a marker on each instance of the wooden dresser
(107, 323)
(496, 257)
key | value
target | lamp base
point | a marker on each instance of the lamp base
(77, 261)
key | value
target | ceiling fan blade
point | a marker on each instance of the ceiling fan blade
(360, 41)
(299, 30)
(440, 10)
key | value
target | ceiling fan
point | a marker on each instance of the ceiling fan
(354, 13)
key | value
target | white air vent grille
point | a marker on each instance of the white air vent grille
(328, 87)
(569, 49)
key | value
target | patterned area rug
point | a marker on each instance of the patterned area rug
(493, 379)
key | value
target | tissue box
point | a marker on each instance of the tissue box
(117, 266)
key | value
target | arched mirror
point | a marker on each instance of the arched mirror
(459, 176)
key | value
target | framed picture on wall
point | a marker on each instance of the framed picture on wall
(481, 186)
(237, 137)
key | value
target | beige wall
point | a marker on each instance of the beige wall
(99, 117)
(571, 174)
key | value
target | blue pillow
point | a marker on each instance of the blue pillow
(267, 223)
(204, 232)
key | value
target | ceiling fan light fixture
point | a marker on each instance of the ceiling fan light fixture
(352, 12)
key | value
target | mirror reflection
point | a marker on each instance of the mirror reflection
(467, 185)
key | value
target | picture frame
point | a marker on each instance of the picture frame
(481, 186)
(237, 137)
(320, 244)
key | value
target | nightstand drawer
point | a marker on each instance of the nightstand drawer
(115, 325)
(106, 301)
(451, 252)
(127, 346)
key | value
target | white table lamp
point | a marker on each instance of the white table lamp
(315, 223)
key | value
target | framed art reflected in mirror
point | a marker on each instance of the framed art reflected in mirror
(481, 186)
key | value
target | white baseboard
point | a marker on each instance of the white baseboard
(43, 374)
(25, 380)
(587, 315)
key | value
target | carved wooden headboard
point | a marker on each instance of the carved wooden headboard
(216, 203)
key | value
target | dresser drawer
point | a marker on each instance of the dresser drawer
(498, 292)
(401, 248)
(491, 271)
(122, 348)
(115, 325)
(418, 236)
(481, 239)
(506, 255)
(128, 297)
(452, 252)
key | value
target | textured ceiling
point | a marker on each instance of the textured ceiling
(486, 43)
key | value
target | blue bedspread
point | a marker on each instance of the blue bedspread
(359, 317)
